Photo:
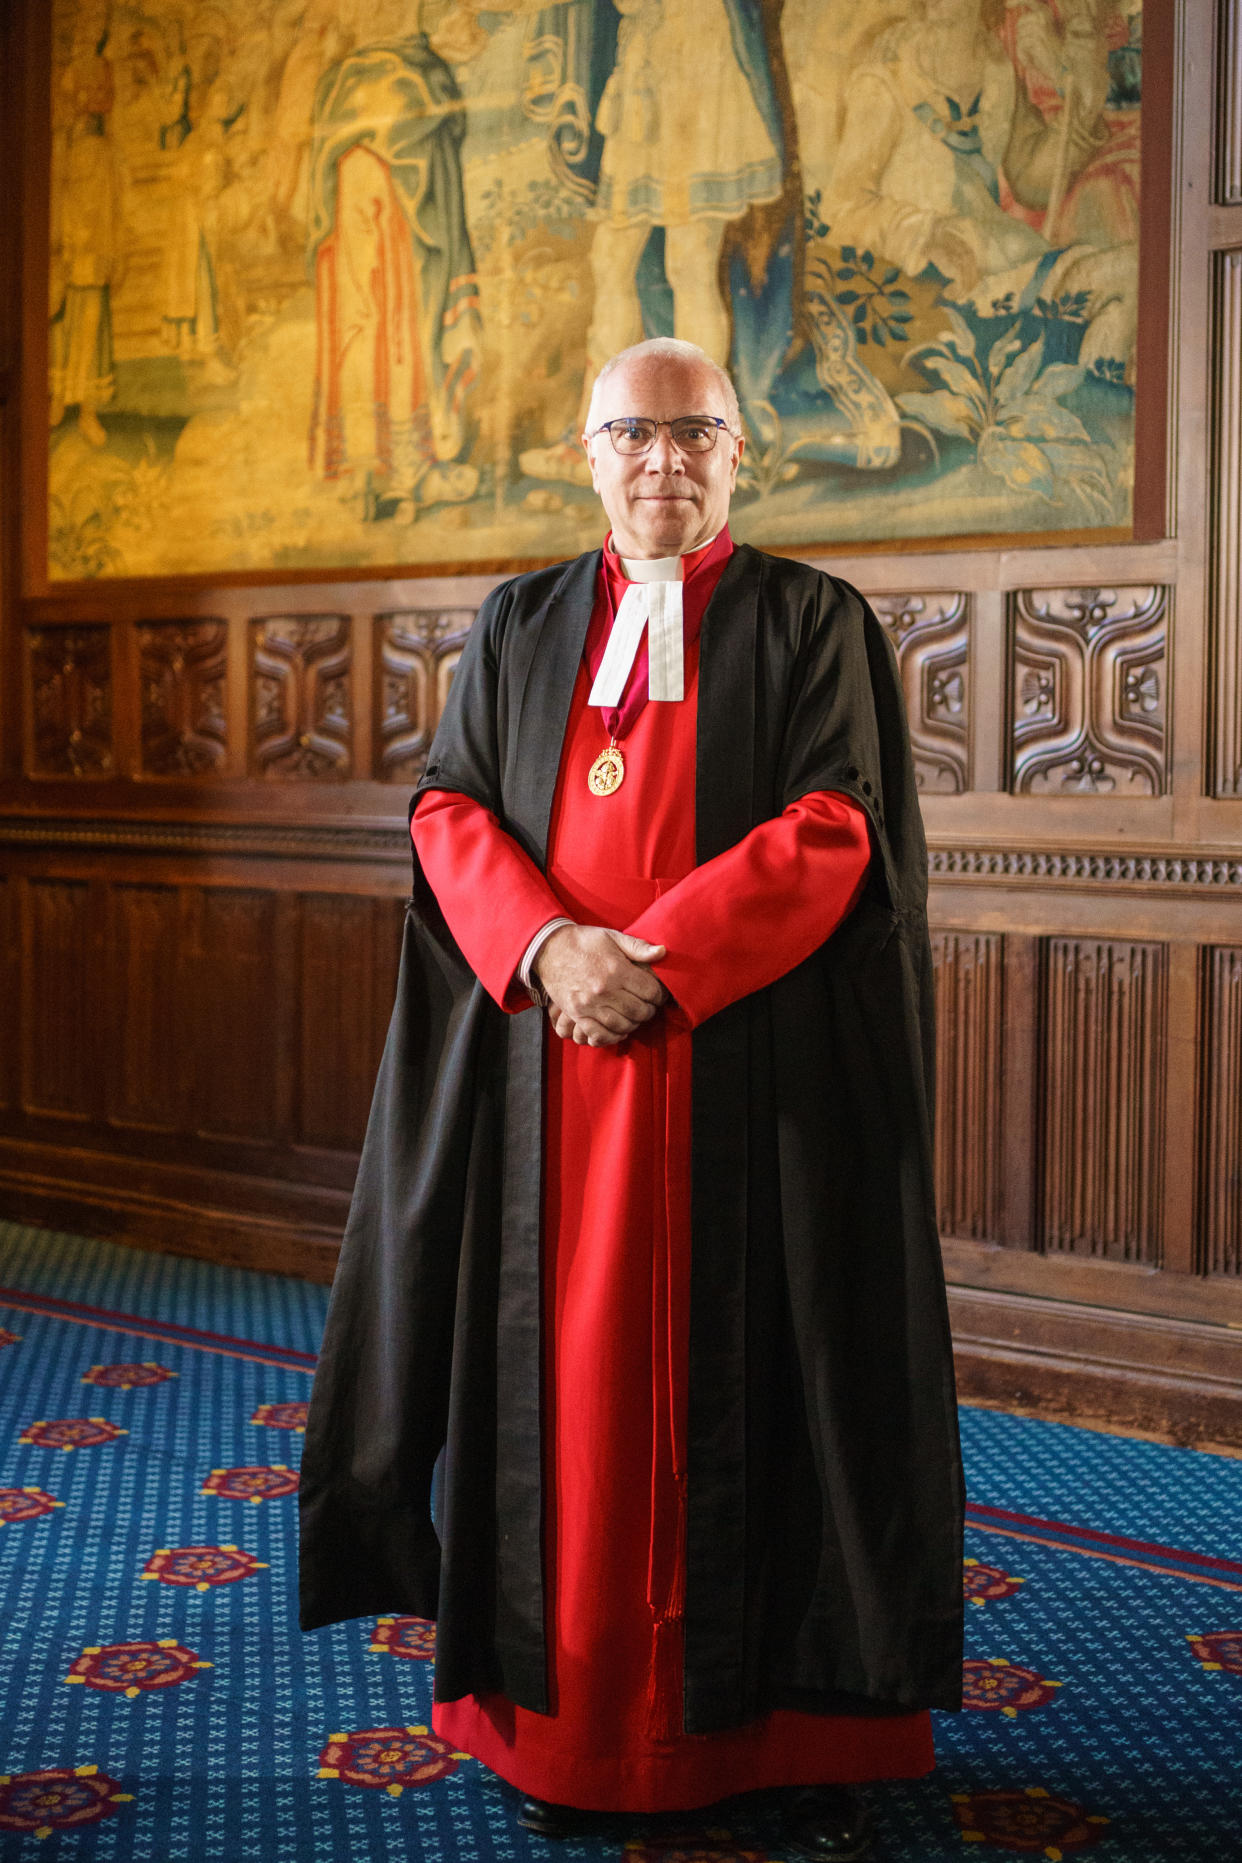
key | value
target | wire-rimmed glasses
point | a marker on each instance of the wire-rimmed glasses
(632, 434)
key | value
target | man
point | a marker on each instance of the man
(660, 1268)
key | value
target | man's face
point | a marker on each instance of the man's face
(662, 502)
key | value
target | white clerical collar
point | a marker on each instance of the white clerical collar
(652, 568)
(656, 568)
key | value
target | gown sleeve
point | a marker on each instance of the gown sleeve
(493, 896)
(742, 920)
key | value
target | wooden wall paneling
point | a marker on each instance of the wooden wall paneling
(182, 675)
(1104, 1029)
(415, 651)
(69, 701)
(346, 976)
(1221, 1149)
(1225, 516)
(989, 652)
(145, 1076)
(1020, 1145)
(58, 998)
(238, 704)
(1228, 177)
(362, 698)
(969, 1107)
(1090, 679)
(233, 985)
(1181, 1250)
(10, 992)
(302, 697)
(931, 635)
(286, 994)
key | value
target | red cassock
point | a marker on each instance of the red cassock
(616, 1240)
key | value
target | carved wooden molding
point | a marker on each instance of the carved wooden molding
(302, 699)
(1103, 1121)
(1222, 1111)
(257, 840)
(416, 652)
(69, 677)
(969, 1022)
(182, 666)
(1229, 104)
(931, 634)
(1089, 691)
(1226, 529)
(1136, 869)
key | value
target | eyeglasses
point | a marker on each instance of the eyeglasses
(690, 433)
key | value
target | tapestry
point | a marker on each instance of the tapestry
(330, 280)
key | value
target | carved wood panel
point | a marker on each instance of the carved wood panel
(416, 652)
(1103, 1114)
(147, 1036)
(932, 636)
(1226, 530)
(182, 667)
(1222, 1111)
(69, 675)
(969, 1132)
(349, 953)
(302, 699)
(237, 1002)
(1090, 675)
(58, 1001)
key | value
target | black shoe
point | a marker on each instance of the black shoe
(827, 1821)
(544, 1818)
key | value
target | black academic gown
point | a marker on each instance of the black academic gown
(824, 1505)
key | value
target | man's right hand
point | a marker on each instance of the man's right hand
(598, 983)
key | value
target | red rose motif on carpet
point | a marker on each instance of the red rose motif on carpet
(404, 1636)
(128, 1377)
(131, 1668)
(282, 1416)
(202, 1566)
(252, 1483)
(388, 1758)
(8, 1338)
(44, 1802)
(983, 1583)
(72, 1433)
(1030, 1821)
(1222, 1650)
(991, 1682)
(25, 1504)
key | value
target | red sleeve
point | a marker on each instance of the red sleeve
(742, 920)
(492, 895)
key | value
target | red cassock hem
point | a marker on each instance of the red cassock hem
(691, 1770)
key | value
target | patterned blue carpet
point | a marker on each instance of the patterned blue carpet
(157, 1700)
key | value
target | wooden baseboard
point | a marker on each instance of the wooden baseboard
(302, 1239)
(1173, 1378)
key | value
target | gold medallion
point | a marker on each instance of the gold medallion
(607, 773)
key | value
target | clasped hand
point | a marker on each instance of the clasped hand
(599, 985)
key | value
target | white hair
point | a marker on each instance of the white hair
(668, 349)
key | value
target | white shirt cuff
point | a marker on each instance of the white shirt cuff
(525, 969)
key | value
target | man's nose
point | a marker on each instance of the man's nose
(662, 455)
